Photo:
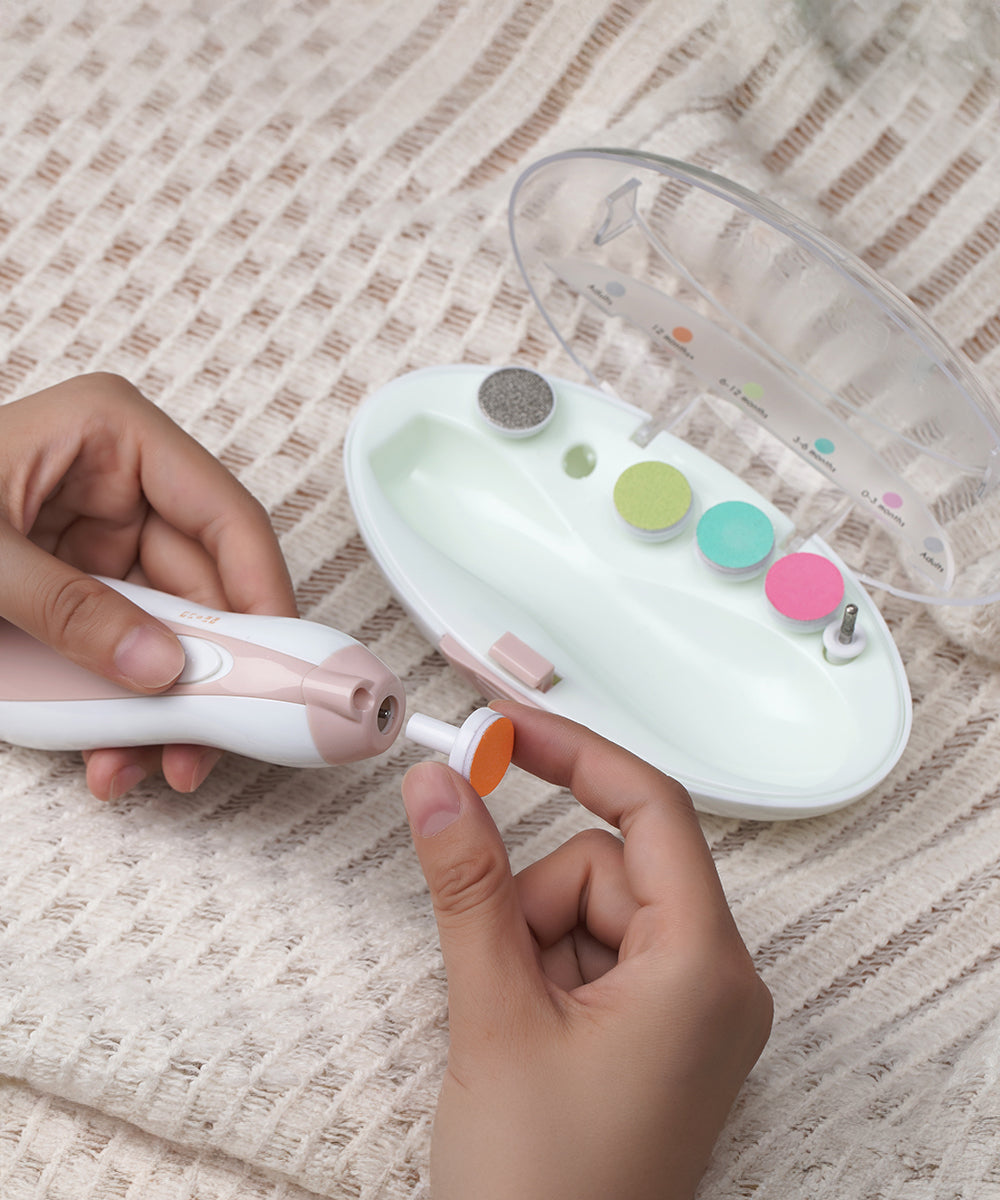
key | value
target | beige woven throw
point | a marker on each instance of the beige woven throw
(261, 210)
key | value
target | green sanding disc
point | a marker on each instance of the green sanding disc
(653, 498)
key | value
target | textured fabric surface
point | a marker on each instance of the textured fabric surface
(261, 210)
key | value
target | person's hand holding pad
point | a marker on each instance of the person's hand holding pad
(603, 1009)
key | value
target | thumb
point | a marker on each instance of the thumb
(83, 619)
(486, 943)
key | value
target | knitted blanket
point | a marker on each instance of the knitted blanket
(261, 210)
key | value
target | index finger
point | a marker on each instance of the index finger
(182, 481)
(197, 495)
(666, 854)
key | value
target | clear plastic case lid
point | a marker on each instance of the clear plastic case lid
(750, 334)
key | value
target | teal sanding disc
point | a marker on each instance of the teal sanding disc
(735, 538)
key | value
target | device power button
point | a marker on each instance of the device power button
(204, 660)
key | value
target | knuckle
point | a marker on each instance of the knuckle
(753, 1009)
(109, 396)
(742, 987)
(70, 608)
(731, 988)
(470, 882)
(596, 847)
(678, 795)
(597, 840)
(113, 387)
(254, 510)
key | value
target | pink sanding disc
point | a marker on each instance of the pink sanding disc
(804, 587)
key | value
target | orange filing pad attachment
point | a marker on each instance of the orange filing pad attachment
(480, 750)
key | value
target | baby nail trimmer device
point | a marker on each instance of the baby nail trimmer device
(688, 575)
(283, 690)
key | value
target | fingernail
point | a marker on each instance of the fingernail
(203, 766)
(431, 798)
(148, 657)
(124, 780)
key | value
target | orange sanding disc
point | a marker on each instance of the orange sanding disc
(492, 755)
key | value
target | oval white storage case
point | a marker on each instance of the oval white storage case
(676, 550)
